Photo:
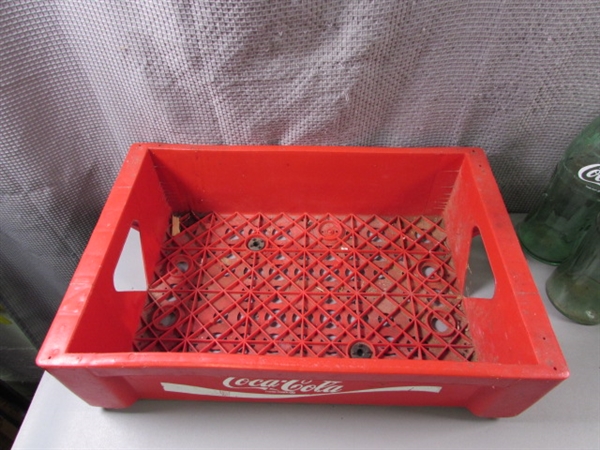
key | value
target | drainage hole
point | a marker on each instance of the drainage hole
(428, 271)
(439, 326)
(183, 266)
(168, 320)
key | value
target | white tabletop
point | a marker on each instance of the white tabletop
(566, 418)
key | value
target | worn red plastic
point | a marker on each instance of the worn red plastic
(305, 274)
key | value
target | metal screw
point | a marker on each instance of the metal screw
(360, 350)
(255, 244)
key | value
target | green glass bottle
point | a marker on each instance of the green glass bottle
(569, 205)
(574, 287)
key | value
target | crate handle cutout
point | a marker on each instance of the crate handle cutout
(480, 281)
(129, 273)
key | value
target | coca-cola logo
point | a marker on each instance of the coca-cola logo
(279, 389)
(590, 174)
(277, 386)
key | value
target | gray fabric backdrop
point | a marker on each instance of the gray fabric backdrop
(82, 80)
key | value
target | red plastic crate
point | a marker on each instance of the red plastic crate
(309, 274)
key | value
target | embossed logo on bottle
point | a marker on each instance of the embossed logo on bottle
(590, 174)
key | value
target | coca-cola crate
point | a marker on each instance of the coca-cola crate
(305, 274)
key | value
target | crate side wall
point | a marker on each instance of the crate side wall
(496, 325)
(297, 181)
(109, 319)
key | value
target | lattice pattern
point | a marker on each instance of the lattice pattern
(306, 286)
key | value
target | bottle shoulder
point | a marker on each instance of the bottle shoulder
(587, 144)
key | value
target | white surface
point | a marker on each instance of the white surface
(129, 274)
(566, 418)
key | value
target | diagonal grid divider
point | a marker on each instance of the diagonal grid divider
(386, 281)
